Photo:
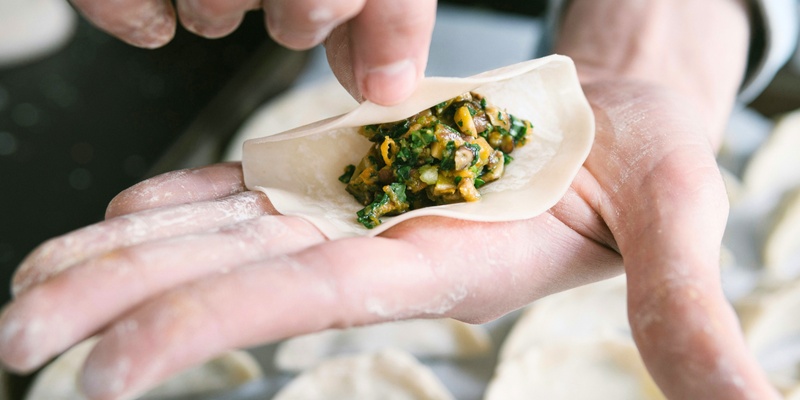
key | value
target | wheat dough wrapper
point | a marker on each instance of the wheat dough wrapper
(299, 169)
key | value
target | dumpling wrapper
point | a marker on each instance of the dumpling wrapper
(299, 169)
(772, 330)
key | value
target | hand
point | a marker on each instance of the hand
(189, 264)
(377, 48)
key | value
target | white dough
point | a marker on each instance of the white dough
(585, 370)
(595, 310)
(781, 251)
(733, 186)
(298, 169)
(772, 330)
(59, 380)
(317, 101)
(423, 338)
(775, 167)
(387, 375)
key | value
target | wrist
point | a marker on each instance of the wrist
(695, 48)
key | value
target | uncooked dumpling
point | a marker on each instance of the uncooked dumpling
(59, 380)
(422, 338)
(594, 310)
(580, 369)
(793, 394)
(387, 375)
(781, 252)
(733, 186)
(775, 167)
(772, 330)
(299, 169)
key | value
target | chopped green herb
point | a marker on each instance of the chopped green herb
(448, 157)
(348, 173)
(403, 173)
(418, 168)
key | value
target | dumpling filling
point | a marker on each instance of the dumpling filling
(441, 155)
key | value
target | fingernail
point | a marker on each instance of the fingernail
(20, 341)
(106, 380)
(157, 32)
(390, 84)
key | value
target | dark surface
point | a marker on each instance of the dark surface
(81, 125)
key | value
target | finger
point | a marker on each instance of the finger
(142, 23)
(302, 24)
(343, 283)
(60, 253)
(386, 48)
(214, 18)
(113, 283)
(670, 239)
(685, 329)
(504, 266)
(179, 187)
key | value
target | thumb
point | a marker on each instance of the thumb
(380, 55)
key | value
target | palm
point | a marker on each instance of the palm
(204, 275)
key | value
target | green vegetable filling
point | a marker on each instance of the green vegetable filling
(441, 155)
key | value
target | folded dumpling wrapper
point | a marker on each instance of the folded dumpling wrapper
(596, 368)
(772, 330)
(60, 379)
(390, 374)
(299, 169)
(423, 338)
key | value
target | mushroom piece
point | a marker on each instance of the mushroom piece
(463, 158)
(495, 166)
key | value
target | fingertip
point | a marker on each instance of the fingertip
(152, 41)
(22, 348)
(100, 380)
(155, 32)
(391, 83)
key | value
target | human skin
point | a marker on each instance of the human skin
(190, 264)
(379, 47)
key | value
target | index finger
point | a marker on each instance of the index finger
(142, 23)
